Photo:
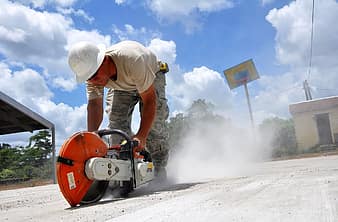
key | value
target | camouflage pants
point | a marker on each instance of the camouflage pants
(120, 107)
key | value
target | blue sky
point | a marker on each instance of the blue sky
(199, 39)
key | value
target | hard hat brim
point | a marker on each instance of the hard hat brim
(95, 67)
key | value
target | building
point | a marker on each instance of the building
(316, 123)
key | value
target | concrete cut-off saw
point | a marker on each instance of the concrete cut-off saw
(88, 165)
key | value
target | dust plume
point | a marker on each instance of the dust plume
(215, 150)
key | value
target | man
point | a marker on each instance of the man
(131, 74)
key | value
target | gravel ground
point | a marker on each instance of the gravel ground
(289, 190)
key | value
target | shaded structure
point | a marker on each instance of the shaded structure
(16, 118)
(316, 123)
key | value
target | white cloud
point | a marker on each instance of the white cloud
(67, 85)
(185, 87)
(29, 88)
(41, 38)
(131, 33)
(178, 7)
(79, 13)
(293, 26)
(279, 92)
(186, 12)
(200, 83)
(199, 78)
(64, 3)
(44, 3)
(165, 50)
(266, 2)
(120, 2)
(293, 29)
(38, 31)
(22, 85)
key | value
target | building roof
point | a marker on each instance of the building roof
(314, 105)
(15, 117)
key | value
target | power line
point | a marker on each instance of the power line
(306, 86)
(311, 40)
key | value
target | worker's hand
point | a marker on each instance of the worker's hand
(141, 143)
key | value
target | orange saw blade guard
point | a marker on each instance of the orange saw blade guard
(70, 166)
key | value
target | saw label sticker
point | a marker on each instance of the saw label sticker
(71, 180)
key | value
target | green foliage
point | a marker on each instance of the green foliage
(32, 161)
(7, 173)
(8, 156)
(281, 136)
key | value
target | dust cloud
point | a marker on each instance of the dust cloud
(211, 151)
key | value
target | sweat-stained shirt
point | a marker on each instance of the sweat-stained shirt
(136, 69)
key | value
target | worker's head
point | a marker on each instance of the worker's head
(84, 59)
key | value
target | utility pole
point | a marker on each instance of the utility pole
(307, 90)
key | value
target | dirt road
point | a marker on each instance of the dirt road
(291, 190)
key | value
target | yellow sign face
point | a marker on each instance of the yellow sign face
(241, 74)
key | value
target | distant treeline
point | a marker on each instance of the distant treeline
(21, 163)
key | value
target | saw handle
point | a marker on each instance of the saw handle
(105, 132)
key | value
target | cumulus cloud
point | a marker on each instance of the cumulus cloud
(278, 92)
(31, 27)
(30, 35)
(120, 2)
(79, 13)
(41, 38)
(44, 3)
(200, 83)
(186, 12)
(67, 85)
(29, 88)
(293, 32)
(293, 26)
(165, 50)
(24, 85)
(184, 87)
(137, 34)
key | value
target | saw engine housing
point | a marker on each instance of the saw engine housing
(86, 165)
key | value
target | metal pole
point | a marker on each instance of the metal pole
(53, 155)
(249, 104)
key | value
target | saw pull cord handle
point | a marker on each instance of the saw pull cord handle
(133, 144)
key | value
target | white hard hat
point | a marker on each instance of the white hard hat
(84, 59)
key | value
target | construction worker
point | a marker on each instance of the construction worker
(132, 74)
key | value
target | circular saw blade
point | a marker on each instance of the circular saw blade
(95, 192)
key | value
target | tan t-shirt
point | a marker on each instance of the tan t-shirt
(136, 68)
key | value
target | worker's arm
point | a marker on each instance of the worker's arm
(147, 114)
(94, 113)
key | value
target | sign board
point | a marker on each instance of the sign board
(241, 74)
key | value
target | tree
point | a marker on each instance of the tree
(7, 173)
(32, 161)
(280, 135)
(200, 109)
(8, 156)
(39, 148)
